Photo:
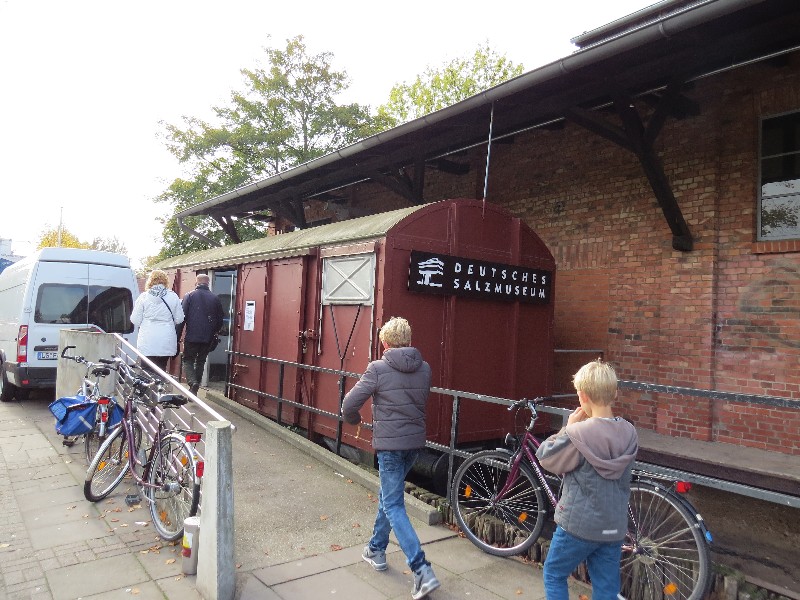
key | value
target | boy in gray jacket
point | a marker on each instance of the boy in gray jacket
(399, 384)
(594, 453)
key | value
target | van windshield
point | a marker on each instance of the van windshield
(107, 307)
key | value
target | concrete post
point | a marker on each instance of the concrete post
(216, 569)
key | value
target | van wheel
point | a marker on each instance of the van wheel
(7, 389)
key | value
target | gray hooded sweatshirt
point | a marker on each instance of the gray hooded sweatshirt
(399, 384)
(595, 457)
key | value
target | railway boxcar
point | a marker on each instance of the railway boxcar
(475, 283)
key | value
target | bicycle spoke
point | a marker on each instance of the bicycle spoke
(173, 491)
(504, 525)
(665, 557)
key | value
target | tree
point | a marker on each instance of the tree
(285, 115)
(454, 81)
(49, 238)
(109, 245)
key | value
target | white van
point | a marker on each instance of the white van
(53, 289)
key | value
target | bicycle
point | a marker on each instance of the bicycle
(105, 418)
(170, 470)
(501, 499)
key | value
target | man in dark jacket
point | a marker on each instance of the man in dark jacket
(399, 384)
(203, 320)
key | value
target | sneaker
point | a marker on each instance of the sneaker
(424, 582)
(376, 558)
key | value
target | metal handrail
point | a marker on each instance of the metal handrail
(193, 416)
(452, 451)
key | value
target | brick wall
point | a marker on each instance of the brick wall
(725, 316)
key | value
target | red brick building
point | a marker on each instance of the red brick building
(647, 161)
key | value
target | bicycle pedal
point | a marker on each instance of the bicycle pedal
(132, 499)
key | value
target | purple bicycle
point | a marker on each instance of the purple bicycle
(501, 499)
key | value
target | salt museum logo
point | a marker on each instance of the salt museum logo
(451, 275)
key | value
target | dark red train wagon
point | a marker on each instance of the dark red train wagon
(475, 283)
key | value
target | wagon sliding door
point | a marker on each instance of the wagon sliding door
(269, 317)
(345, 326)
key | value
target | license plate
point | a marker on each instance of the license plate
(47, 355)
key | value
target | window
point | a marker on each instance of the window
(779, 214)
(107, 307)
(348, 279)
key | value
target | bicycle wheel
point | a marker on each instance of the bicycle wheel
(175, 491)
(665, 555)
(108, 466)
(501, 526)
(94, 440)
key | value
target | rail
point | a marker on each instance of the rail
(451, 449)
(193, 416)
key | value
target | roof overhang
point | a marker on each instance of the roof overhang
(670, 44)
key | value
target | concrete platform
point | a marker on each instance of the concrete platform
(302, 519)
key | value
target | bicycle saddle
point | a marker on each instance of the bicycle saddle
(101, 371)
(172, 400)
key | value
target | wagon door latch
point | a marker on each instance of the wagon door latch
(306, 336)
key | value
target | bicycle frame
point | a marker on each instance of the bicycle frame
(664, 552)
(527, 449)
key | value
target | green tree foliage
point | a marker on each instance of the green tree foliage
(109, 245)
(286, 115)
(49, 238)
(454, 81)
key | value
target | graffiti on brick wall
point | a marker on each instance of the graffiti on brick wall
(772, 305)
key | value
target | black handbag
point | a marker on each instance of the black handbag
(212, 345)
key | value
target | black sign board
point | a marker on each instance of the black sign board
(450, 275)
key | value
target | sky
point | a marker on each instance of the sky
(86, 85)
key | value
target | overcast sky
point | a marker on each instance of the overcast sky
(84, 84)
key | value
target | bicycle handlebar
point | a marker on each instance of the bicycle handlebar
(532, 402)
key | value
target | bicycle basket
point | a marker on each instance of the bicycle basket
(115, 414)
(74, 415)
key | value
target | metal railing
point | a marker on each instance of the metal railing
(451, 449)
(192, 416)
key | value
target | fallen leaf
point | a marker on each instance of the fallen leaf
(179, 577)
(4, 545)
(349, 481)
(85, 516)
(169, 561)
(144, 551)
(135, 591)
(115, 520)
(238, 565)
(518, 592)
(583, 597)
(123, 525)
(336, 547)
(71, 507)
(323, 517)
(356, 524)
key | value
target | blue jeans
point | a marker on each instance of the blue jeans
(393, 466)
(567, 552)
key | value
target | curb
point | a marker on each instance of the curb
(415, 507)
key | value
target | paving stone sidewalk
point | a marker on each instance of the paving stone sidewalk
(300, 526)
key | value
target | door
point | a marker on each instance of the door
(268, 320)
